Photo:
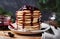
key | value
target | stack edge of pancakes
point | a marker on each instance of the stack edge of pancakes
(27, 17)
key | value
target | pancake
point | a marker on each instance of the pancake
(28, 17)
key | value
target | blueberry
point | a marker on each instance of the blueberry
(9, 32)
(11, 35)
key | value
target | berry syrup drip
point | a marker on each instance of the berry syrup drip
(31, 18)
(11, 26)
(38, 23)
(10, 23)
(23, 20)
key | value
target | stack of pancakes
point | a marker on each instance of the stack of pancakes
(28, 18)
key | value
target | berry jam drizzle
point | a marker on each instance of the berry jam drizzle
(11, 26)
(23, 20)
(31, 18)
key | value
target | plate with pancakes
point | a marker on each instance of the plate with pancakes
(25, 31)
(27, 21)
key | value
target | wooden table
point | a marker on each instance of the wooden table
(16, 36)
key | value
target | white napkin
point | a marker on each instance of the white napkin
(44, 25)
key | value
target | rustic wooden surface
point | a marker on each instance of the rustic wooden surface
(4, 35)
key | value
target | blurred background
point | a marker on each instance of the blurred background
(9, 7)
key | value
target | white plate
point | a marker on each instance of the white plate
(22, 31)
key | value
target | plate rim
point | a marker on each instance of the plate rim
(35, 31)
